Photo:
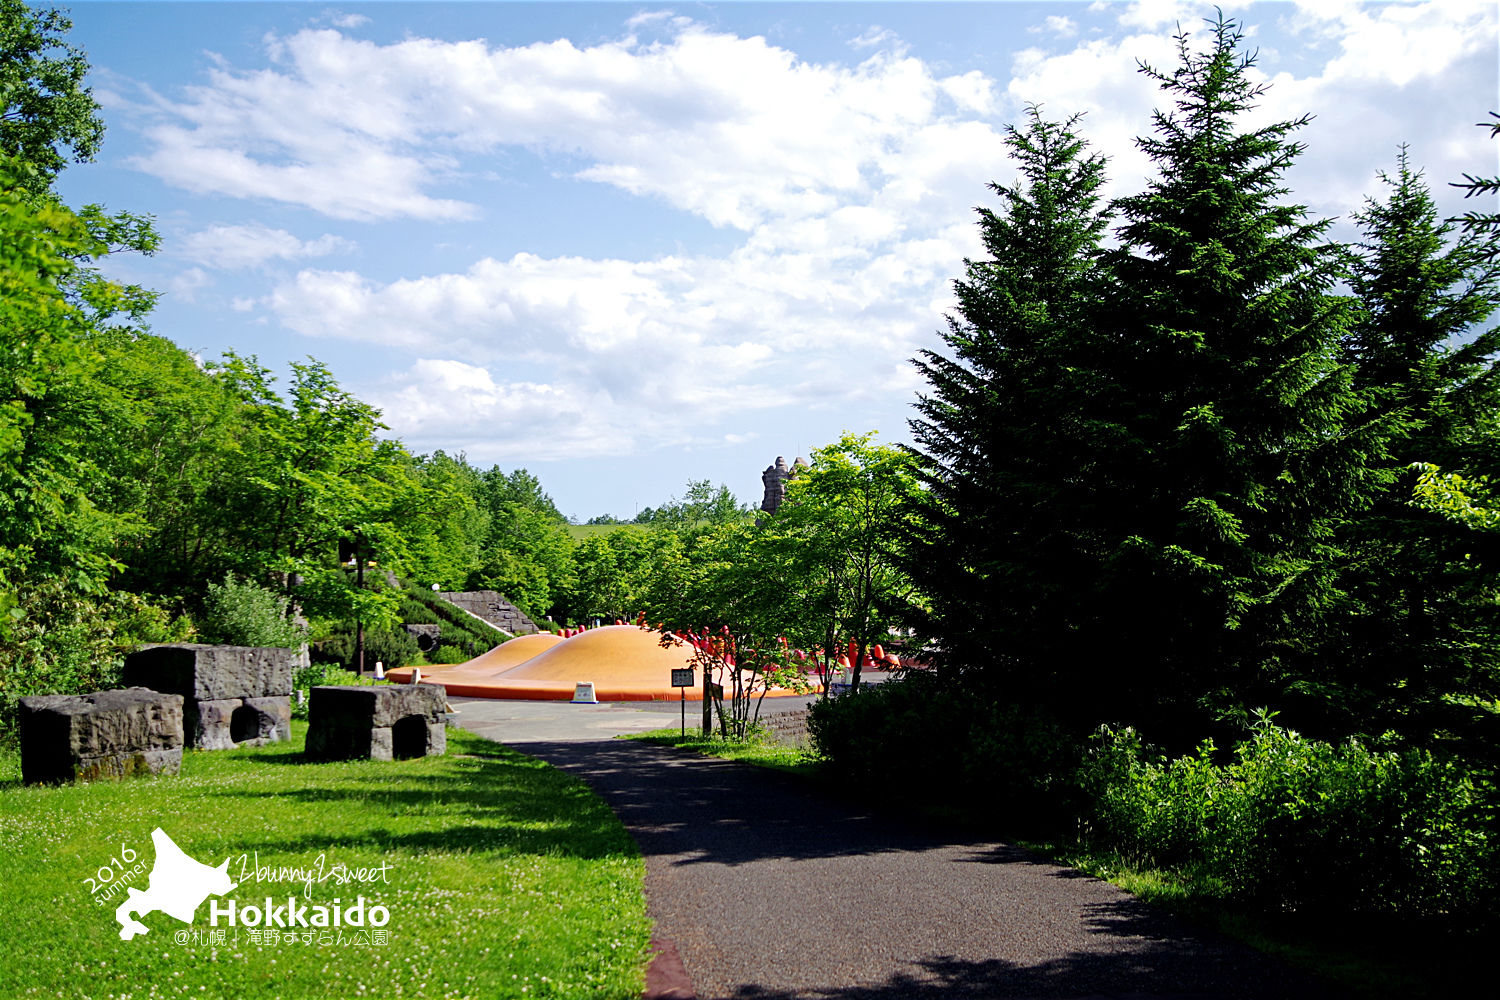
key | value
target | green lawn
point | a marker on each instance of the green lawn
(506, 878)
(762, 753)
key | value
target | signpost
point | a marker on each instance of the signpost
(682, 679)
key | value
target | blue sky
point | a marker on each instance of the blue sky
(630, 245)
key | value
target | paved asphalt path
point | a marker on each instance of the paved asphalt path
(771, 889)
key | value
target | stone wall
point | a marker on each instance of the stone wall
(787, 728)
(493, 607)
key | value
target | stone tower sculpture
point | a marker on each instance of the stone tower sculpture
(774, 480)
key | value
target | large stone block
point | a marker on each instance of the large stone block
(104, 734)
(201, 672)
(224, 724)
(379, 722)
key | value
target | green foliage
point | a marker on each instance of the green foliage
(1481, 222)
(830, 556)
(64, 642)
(1298, 824)
(392, 647)
(449, 654)
(239, 613)
(923, 737)
(318, 674)
(701, 505)
(460, 629)
(527, 553)
(616, 572)
(1138, 468)
(1005, 437)
(53, 416)
(1420, 621)
(48, 112)
(444, 527)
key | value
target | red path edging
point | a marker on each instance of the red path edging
(666, 976)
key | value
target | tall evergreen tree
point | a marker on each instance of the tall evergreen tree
(1424, 622)
(1223, 337)
(1000, 432)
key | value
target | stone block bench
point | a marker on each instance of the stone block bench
(233, 696)
(380, 722)
(105, 734)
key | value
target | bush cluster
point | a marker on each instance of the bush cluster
(239, 613)
(463, 635)
(1294, 824)
(939, 742)
(58, 641)
(1281, 823)
(394, 648)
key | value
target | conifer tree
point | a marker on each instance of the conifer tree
(996, 430)
(1423, 620)
(1239, 458)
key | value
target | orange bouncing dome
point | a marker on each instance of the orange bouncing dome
(496, 661)
(624, 662)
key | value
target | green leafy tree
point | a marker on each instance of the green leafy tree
(444, 531)
(51, 526)
(833, 550)
(702, 505)
(733, 601)
(49, 115)
(616, 571)
(527, 554)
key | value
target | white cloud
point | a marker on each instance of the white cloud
(972, 92)
(873, 37)
(231, 247)
(1378, 74)
(461, 407)
(1057, 24)
(733, 129)
(185, 284)
(849, 188)
(1169, 14)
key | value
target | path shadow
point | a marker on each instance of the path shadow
(1156, 973)
(699, 809)
(1063, 933)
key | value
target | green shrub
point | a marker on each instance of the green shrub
(1297, 824)
(414, 612)
(239, 613)
(448, 654)
(317, 675)
(394, 648)
(459, 627)
(63, 642)
(925, 738)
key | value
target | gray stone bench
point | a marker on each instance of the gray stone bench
(105, 734)
(379, 722)
(233, 696)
